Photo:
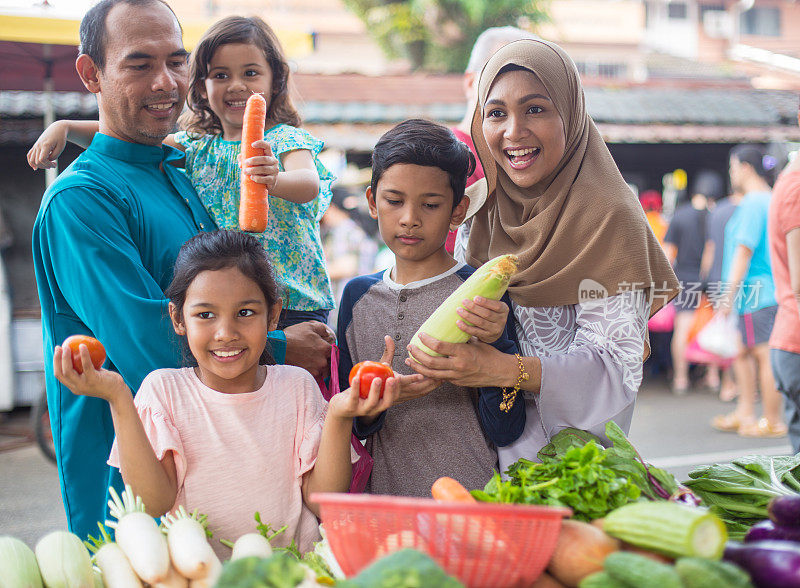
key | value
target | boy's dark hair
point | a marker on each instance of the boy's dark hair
(756, 157)
(93, 32)
(219, 250)
(199, 118)
(423, 142)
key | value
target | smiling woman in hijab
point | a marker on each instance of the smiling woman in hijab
(591, 272)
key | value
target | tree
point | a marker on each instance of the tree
(438, 34)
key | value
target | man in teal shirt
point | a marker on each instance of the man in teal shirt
(108, 232)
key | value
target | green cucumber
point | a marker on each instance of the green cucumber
(697, 572)
(600, 580)
(672, 529)
(638, 571)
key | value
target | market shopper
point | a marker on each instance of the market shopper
(784, 342)
(419, 170)
(236, 57)
(750, 295)
(485, 45)
(683, 244)
(265, 425)
(107, 234)
(711, 272)
(591, 270)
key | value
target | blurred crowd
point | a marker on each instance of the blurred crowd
(724, 332)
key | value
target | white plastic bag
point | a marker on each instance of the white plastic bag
(720, 336)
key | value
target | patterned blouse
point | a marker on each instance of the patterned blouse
(591, 355)
(292, 237)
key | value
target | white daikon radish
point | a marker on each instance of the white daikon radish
(18, 565)
(251, 545)
(173, 580)
(189, 549)
(114, 565)
(98, 577)
(139, 536)
(64, 561)
(211, 579)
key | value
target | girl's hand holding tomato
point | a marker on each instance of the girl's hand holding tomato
(74, 365)
(96, 351)
(380, 396)
(262, 169)
(366, 372)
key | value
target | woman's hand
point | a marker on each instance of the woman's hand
(349, 404)
(48, 146)
(483, 318)
(262, 169)
(474, 364)
(100, 383)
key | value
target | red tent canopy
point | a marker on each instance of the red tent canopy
(25, 66)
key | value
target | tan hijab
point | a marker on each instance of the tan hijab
(581, 222)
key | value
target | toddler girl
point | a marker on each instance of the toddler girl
(234, 434)
(235, 58)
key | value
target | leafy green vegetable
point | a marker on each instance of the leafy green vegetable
(407, 568)
(740, 491)
(622, 457)
(580, 480)
(276, 571)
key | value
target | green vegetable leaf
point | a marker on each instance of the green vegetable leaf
(276, 571)
(579, 480)
(740, 491)
(566, 439)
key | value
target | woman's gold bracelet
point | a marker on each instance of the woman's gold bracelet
(509, 396)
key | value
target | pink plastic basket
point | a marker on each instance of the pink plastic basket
(483, 545)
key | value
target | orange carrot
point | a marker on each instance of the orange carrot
(449, 490)
(253, 203)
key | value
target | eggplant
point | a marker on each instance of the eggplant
(771, 564)
(767, 529)
(785, 510)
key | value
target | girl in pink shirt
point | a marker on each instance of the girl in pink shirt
(234, 434)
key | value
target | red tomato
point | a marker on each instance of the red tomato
(96, 351)
(368, 371)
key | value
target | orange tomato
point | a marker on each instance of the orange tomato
(368, 371)
(96, 351)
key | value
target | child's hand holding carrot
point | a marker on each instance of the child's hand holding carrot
(100, 383)
(262, 169)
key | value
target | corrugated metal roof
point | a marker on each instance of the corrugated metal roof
(742, 107)
(32, 104)
(631, 114)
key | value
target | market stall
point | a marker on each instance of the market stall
(582, 515)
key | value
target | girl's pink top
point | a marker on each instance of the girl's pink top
(236, 454)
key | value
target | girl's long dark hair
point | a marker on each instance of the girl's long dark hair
(199, 119)
(219, 250)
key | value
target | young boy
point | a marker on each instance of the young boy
(419, 172)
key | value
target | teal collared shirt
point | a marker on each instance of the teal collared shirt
(104, 245)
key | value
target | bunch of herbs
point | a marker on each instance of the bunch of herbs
(579, 479)
(622, 457)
